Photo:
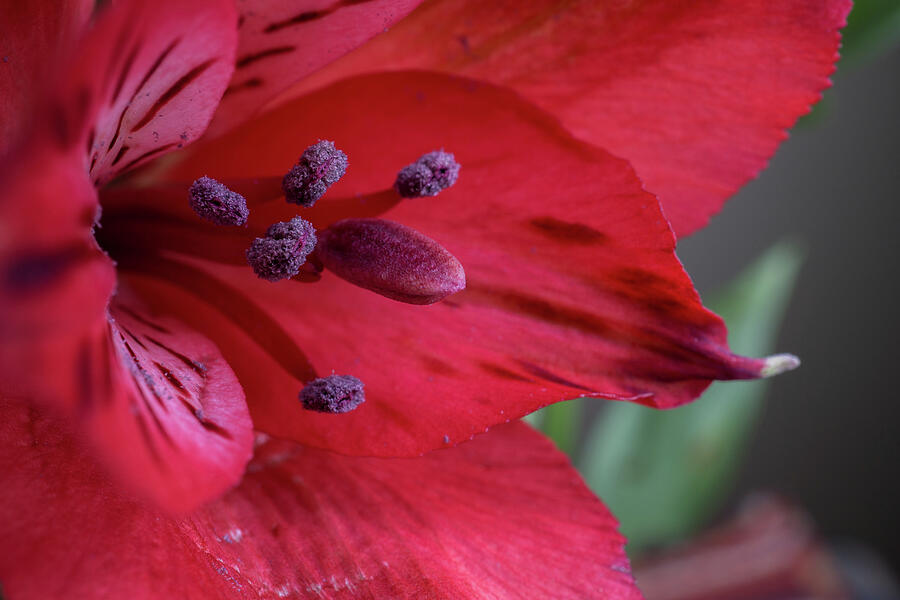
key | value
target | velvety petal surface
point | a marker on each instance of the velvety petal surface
(34, 35)
(505, 516)
(283, 41)
(697, 95)
(573, 287)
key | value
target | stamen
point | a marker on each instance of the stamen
(333, 394)
(430, 174)
(390, 259)
(283, 251)
(319, 167)
(214, 202)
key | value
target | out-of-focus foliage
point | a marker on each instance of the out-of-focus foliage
(872, 28)
(663, 473)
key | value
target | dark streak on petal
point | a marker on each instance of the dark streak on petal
(119, 155)
(308, 16)
(303, 17)
(146, 155)
(115, 137)
(245, 85)
(138, 317)
(134, 337)
(173, 91)
(437, 366)
(214, 428)
(537, 308)
(191, 364)
(542, 373)
(129, 62)
(154, 67)
(502, 371)
(252, 58)
(170, 377)
(564, 231)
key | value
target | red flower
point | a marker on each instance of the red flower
(145, 347)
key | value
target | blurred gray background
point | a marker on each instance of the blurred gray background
(828, 438)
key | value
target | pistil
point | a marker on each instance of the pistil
(390, 259)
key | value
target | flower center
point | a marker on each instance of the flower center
(145, 229)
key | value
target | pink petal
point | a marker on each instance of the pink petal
(282, 42)
(573, 285)
(500, 517)
(696, 95)
(35, 34)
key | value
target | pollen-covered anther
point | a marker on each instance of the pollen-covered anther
(214, 202)
(320, 166)
(430, 174)
(333, 394)
(390, 259)
(283, 251)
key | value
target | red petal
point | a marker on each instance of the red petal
(35, 35)
(157, 401)
(573, 284)
(504, 516)
(144, 81)
(283, 42)
(696, 95)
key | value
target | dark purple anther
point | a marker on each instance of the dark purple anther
(427, 176)
(283, 251)
(333, 394)
(216, 203)
(390, 259)
(319, 167)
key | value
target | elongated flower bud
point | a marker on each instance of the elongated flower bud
(390, 259)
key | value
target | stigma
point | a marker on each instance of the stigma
(283, 251)
(390, 259)
(216, 203)
(428, 176)
(333, 394)
(320, 166)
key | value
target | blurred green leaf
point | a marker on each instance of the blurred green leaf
(663, 472)
(872, 28)
(561, 422)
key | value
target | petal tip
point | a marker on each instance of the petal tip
(778, 364)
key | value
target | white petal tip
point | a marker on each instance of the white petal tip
(778, 364)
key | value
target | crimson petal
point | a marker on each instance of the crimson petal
(697, 95)
(489, 519)
(35, 34)
(283, 41)
(573, 284)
